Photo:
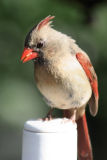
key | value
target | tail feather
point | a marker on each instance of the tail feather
(84, 144)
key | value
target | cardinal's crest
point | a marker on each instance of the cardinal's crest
(45, 22)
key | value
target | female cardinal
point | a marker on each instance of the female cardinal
(64, 76)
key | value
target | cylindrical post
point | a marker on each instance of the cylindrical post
(49, 140)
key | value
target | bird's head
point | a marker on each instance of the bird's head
(41, 41)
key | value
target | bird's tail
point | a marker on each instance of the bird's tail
(84, 144)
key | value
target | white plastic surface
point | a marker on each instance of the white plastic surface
(49, 140)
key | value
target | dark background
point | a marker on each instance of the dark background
(85, 21)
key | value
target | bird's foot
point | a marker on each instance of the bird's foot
(49, 115)
(71, 116)
(47, 118)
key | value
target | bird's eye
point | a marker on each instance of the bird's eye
(40, 45)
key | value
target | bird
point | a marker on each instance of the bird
(65, 77)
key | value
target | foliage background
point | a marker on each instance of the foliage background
(85, 21)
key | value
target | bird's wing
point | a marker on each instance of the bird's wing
(90, 72)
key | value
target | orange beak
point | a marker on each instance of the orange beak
(28, 54)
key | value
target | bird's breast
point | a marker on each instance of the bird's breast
(67, 88)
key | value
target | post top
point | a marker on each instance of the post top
(51, 126)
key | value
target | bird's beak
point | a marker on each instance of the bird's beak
(28, 54)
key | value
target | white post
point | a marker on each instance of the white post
(49, 140)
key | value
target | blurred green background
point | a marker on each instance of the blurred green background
(85, 21)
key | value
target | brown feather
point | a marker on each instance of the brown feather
(89, 70)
